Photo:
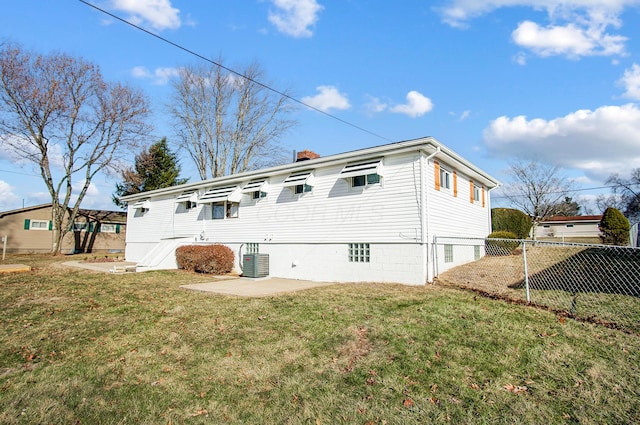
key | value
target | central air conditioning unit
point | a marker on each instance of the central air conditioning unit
(255, 265)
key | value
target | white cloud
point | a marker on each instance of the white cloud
(37, 198)
(520, 59)
(375, 105)
(295, 17)
(160, 76)
(598, 142)
(631, 82)
(328, 98)
(416, 106)
(569, 40)
(8, 199)
(576, 27)
(159, 14)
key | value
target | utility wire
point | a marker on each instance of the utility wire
(198, 55)
(567, 191)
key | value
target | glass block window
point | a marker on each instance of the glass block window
(252, 248)
(476, 252)
(359, 253)
(448, 253)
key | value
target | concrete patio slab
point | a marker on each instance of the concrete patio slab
(106, 267)
(261, 287)
(227, 285)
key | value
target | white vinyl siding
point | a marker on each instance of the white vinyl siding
(332, 212)
(455, 215)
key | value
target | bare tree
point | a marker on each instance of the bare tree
(625, 195)
(226, 122)
(537, 189)
(58, 113)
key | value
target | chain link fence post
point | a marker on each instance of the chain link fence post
(526, 271)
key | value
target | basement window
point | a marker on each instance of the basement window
(359, 253)
(448, 253)
(252, 248)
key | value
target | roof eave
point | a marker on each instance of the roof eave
(426, 144)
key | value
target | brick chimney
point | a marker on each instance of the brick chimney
(306, 155)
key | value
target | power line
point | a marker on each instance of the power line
(17, 172)
(567, 191)
(239, 74)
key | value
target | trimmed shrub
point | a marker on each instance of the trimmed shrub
(499, 243)
(511, 220)
(211, 259)
(614, 228)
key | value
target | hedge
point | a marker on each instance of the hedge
(511, 220)
(211, 259)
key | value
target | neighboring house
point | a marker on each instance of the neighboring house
(29, 230)
(365, 215)
(573, 227)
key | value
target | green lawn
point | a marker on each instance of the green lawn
(89, 348)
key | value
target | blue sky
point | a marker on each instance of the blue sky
(551, 80)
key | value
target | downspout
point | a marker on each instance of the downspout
(424, 210)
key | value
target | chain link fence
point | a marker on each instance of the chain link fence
(597, 283)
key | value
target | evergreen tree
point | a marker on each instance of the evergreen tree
(510, 220)
(154, 168)
(614, 228)
(568, 208)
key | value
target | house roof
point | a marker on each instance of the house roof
(98, 215)
(427, 145)
(573, 218)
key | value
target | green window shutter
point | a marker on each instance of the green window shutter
(117, 228)
(27, 224)
(50, 225)
(90, 227)
(98, 227)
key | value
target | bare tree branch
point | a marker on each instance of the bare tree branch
(57, 112)
(537, 189)
(228, 124)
